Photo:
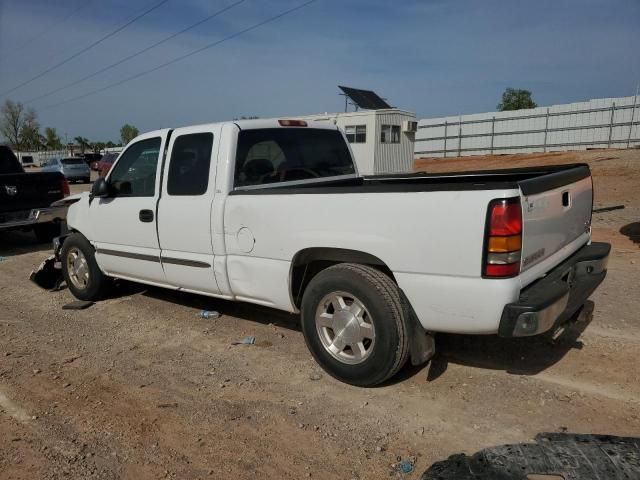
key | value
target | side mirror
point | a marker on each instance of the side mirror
(100, 188)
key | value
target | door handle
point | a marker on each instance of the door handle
(146, 216)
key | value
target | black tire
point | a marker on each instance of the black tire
(46, 232)
(87, 180)
(388, 313)
(97, 282)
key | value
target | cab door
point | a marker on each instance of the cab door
(124, 226)
(185, 209)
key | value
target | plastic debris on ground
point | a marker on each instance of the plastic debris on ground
(406, 467)
(245, 341)
(403, 467)
(206, 314)
(77, 305)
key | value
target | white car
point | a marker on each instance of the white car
(273, 212)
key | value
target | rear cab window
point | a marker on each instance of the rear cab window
(273, 155)
(109, 158)
(73, 161)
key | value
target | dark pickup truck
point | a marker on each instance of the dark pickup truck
(26, 198)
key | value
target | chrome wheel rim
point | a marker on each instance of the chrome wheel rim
(77, 268)
(345, 328)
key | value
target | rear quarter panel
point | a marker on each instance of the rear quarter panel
(431, 241)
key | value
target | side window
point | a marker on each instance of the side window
(135, 173)
(390, 134)
(395, 133)
(356, 133)
(350, 132)
(189, 164)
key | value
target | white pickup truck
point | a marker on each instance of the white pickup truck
(273, 212)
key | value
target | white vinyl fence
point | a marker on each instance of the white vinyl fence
(600, 123)
(37, 159)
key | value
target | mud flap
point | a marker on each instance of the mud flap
(423, 345)
(48, 275)
(553, 456)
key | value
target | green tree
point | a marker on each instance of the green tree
(20, 127)
(128, 133)
(110, 144)
(83, 142)
(51, 139)
(11, 122)
(30, 138)
(97, 146)
(516, 99)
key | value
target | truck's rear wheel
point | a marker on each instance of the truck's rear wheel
(355, 324)
(80, 270)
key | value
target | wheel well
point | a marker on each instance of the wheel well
(309, 262)
(63, 237)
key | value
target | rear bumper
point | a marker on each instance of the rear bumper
(553, 299)
(32, 217)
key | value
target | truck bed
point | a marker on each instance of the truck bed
(530, 180)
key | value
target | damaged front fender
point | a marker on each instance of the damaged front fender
(48, 275)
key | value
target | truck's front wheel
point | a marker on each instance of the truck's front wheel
(355, 325)
(80, 270)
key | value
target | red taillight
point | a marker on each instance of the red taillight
(503, 241)
(506, 270)
(65, 187)
(505, 218)
(292, 123)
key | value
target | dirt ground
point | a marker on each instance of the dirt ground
(139, 387)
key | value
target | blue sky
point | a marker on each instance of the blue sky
(434, 57)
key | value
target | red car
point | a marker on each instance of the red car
(104, 165)
(92, 159)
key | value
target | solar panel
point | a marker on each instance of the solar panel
(366, 99)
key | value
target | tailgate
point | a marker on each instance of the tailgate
(556, 210)
(24, 191)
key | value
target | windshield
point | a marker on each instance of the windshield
(73, 161)
(272, 155)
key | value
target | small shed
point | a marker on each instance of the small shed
(382, 140)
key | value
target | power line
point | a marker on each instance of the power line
(140, 52)
(56, 25)
(97, 42)
(182, 57)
